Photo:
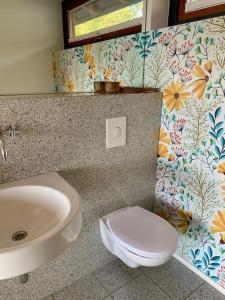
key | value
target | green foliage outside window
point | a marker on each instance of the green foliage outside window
(114, 18)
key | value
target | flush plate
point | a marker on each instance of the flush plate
(115, 132)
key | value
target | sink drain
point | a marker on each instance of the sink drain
(19, 235)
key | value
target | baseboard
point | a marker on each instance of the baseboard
(203, 276)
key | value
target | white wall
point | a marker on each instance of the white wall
(29, 31)
(157, 15)
(160, 13)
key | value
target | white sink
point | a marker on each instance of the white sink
(39, 218)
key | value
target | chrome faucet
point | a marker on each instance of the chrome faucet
(3, 150)
(13, 131)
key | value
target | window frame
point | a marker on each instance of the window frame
(178, 15)
(119, 30)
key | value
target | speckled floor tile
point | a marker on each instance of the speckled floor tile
(206, 292)
(174, 278)
(87, 288)
(108, 298)
(116, 274)
(141, 288)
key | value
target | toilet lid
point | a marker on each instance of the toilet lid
(143, 232)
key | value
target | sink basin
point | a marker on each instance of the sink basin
(39, 218)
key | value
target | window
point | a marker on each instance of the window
(193, 5)
(188, 10)
(95, 20)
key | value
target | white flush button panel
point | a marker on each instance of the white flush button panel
(115, 132)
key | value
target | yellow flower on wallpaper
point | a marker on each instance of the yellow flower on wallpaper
(174, 95)
(162, 150)
(90, 61)
(87, 53)
(221, 168)
(92, 68)
(87, 48)
(219, 222)
(70, 85)
(184, 220)
(163, 136)
(107, 72)
(203, 75)
(163, 213)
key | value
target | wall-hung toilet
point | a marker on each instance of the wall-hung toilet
(138, 237)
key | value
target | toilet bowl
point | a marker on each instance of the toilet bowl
(138, 237)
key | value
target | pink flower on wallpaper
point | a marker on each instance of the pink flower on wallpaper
(186, 47)
(162, 198)
(185, 75)
(174, 67)
(190, 61)
(172, 49)
(175, 137)
(127, 45)
(117, 70)
(160, 186)
(180, 151)
(171, 190)
(179, 125)
(160, 174)
(172, 208)
(166, 38)
(117, 55)
(221, 275)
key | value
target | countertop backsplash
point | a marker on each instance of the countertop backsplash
(66, 133)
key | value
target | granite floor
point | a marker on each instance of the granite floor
(116, 281)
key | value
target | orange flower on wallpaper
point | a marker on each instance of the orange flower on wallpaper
(90, 61)
(203, 75)
(70, 85)
(221, 168)
(162, 150)
(107, 73)
(175, 94)
(163, 213)
(163, 136)
(184, 221)
(219, 222)
(172, 157)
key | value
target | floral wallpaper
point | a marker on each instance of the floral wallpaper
(119, 59)
(187, 62)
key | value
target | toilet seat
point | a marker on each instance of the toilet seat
(143, 233)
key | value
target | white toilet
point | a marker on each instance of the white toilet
(138, 237)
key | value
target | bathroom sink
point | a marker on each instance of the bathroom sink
(39, 218)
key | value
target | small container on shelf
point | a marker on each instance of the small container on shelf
(99, 86)
(112, 86)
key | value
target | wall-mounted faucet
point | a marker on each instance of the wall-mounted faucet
(13, 130)
(3, 150)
